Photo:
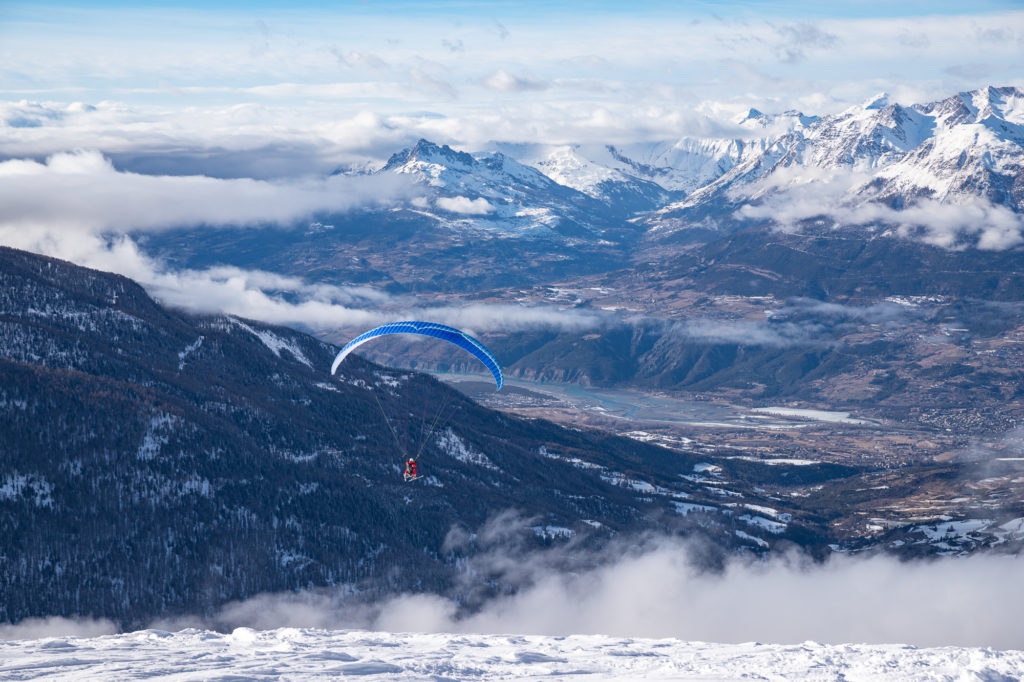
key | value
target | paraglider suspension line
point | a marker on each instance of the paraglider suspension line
(388, 422)
(444, 403)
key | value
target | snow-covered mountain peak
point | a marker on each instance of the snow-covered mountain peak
(977, 106)
(878, 101)
(796, 118)
(1002, 103)
(772, 125)
(566, 165)
(425, 154)
(754, 118)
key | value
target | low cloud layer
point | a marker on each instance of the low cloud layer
(280, 299)
(465, 205)
(82, 191)
(78, 207)
(652, 589)
(57, 626)
(750, 333)
(795, 194)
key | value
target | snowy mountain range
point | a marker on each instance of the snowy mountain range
(962, 150)
(965, 148)
(939, 182)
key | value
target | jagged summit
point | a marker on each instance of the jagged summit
(426, 152)
(879, 101)
(754, 116)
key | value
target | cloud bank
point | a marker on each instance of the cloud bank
(653, 589)
(751, 333)
(78, 207)
(821, 194)
(57, 626)
(83, 192)
(465, 205)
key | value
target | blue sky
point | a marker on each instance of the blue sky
(778, 8)
(362, 77)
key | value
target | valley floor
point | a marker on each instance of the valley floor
(290, 653)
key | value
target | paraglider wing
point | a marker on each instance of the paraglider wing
(438, 331)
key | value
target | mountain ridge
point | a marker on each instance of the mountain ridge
(966, 148)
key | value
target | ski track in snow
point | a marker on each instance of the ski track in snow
(290, 653)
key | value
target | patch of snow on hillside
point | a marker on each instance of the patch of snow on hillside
(768, 511)
(574, 461)
(620, 480)
(390, 380)
(761, 522)
(287, 557)
(16, 486)
(552, 532)
(685, 508)
(275, 343)
(16, 404)
(953, 529)
(1016, 526)
(189, 349)
(157, 435)
(196, 486)
(455, 447)
(747, 536)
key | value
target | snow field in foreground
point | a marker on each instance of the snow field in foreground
(290, 653)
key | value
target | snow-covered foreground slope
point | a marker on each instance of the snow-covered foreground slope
(322, 654)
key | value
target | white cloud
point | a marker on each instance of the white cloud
(504, 81)
(57, 626)
(795, 194)
(152, 83)
(465, 205)
(651, 588)
(78, 207)
(280, 299)
(750, 333)
(82, 191)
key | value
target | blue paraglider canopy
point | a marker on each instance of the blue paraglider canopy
(438, 331)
